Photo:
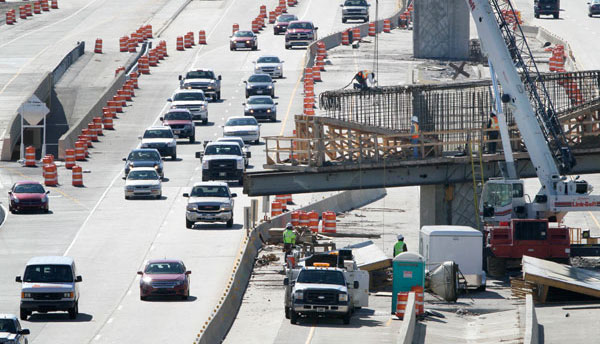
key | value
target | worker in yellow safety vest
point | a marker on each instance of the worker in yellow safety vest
(362, 77)
(289, 239)
(414, 136)
(400, 246)
(492, 133)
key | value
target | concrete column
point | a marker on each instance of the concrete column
(434, 208)
(441, 29)
(448, 205)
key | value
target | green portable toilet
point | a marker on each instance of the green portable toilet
(409, 271)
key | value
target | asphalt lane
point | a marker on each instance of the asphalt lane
(109, 237)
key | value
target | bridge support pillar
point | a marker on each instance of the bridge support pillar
(449, 204)
(441, 29)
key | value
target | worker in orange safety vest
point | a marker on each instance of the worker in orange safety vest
(492, 133)
(414, 136)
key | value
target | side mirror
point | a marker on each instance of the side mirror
(18, 279)
(169, 100)
(356, 284)
(124, 159)
(188, 272)
(245, 82)
(161, 118)
(24, 331)
(221, 126)
(140, 273)
(282, 61)
(341, 5)
(233, 195)
(78, 279)
(243, 103)
(186, 195)
(180, 77)
(286, 281)
(10, 192)
(274, 81)
(276, 103)
(254, 62)
(316, 28)
(139, 137)
(47, 192)
(219, 77)
(199, 155)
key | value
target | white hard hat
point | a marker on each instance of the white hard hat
(289, 225)
(400, 237)
(415, 119)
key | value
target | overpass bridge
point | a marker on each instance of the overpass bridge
(362, 140)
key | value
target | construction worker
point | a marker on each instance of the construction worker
(289, 239)
(414, 136)
(400, 246)
(493, 133)
(362, 77)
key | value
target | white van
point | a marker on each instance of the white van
(49, 284)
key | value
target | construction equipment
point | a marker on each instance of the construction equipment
(516, 225)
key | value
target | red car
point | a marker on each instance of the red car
(180, 121)
(243, 39)
(163, 277)
(282, 22)
(28, 195)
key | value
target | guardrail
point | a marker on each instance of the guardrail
(67, 61)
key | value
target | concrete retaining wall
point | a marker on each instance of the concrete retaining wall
(407, 331)
(531, 324)
(216, 328)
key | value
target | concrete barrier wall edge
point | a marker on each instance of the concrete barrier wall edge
(531, 323)
(407, 330)
(217, 328)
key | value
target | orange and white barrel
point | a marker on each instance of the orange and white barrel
(304, 221)
(401, 302)
(30, 156)
(272, 17)
(263, 11)
(281, 199)
(329, 219)
(132, 45)
(276, 209)
(50, 174)
(77, 176)
(79, 150)
(143, 66)
(291, 3)
(133, 76)
(235, 28)
(37, 7)
(321, 49)
(98, 46)
(22, 12)
(28, 10)
(69, 158)
(201, 37)
(45, 6)
(308, 73)
(419, 299)
(295, 218)
(124, 44)
(98, 122)
(356, 34)
(148, 30)
(387, 25)
(372, 30)
(313, 221)
(180, 45)
(54, 4)
(345, 38)
(152, 58)
(107, 123)
(255, 27)
(187, 41)
(288, 199)
(10, 17)
(316, 73)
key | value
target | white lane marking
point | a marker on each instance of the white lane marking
(120, 307)
(97, 337)
(110, 320)
(306, 9)
(129, 292)
(214, 28)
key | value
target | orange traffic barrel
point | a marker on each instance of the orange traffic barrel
(387, 25)
(308, 73)
(276, 208)
(263, 11)
(345, 38)
(98, 122)
(107, 122)
(132, 44)
(133, 76)
(309, 110)
(28, 10)
(69, 158)
(356, 34)
(295, 218)
(304, 219)
(50, 174)
(313, 221)
(45, 6)
(201, 37)
(54, 4)
(125, 94)
(77, 176)
(419, 299)
(148, 30)
(401, 302)
(235, 28)
(372, 30)
(30, 156)
(329, 219)
(37, 7)
(22, 12)
(278, 11)
(79, 150)
(320, 63)
(255, 27)
(143, 66)
(180, 45)
(187, 41)
(316, 73)
(288, 199)
(98, 47)
(272, 17)
(192, 39)
(129, 88)
(281, 199)
(10, 17)
(152, 58)
(124, 44)
(291, 3)
(321, 50)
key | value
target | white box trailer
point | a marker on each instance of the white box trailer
(461, 244)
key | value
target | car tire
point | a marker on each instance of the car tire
(293, 317)
(366, 20)
(143, 298)
(287, 46)
(189, 224)
(127, 197)
(46, 210)
(536, 15)
(255, 47)
(74, 311)
(229, 223)
(287, 312)
(231, 48)
(204, 121)
(273, 119)
(192, 139)
(257, 141)
(159, 196)
(346, 318)
(344, 20)
(589, 15)
(273, 94)
(219, 95)
(247, 95)
(12, 210)
(555, 15)
(23, 314)
(174, 156)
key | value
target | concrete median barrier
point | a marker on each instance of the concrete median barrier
(407, 331)
(531, 323)
(221, 321)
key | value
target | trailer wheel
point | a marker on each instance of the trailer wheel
(496, 267)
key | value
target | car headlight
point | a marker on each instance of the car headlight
(147, 279)
(298, 295)
(156, 167)
(248, 42)
(343, 297)
(129, 188)
(205, 165)
(270, 87)
(268, 110)
(45, 199)
(172, 143)
(202, 106)
(279, 67)
(175, 106)
(225, 206)
(192, 207)
(144, 145)
(251, 111)
(240, 164)
(179, 282)
(26, 295)
(68, 295)
(209, 87)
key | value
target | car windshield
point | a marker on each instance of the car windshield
(142, 175)
(286, 18)
(355, 3)
(210, 191)
(7, 325)
(164, 268)
(321, 277)
(178, 116)
(300, 25)
(259, 78)
(268, 59)
(143, 156)
(261, 100)
(243, 34)
(596, 2)
(241, 121)
(158, 134)
(48, 273)
(28, 188)
(183, 96)
(223, 150)
(236, 141)
(200, 74)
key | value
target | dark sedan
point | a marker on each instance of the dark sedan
(28, 195)
(593, 7)
(144, 157)
(243, 39)
(261, 107)
(282, 22)
(260, 84)
(162, 277)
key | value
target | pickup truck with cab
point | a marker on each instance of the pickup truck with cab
(355, 10)
(202, 79)
(209, 202)
(222, 161)
(300, 33)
